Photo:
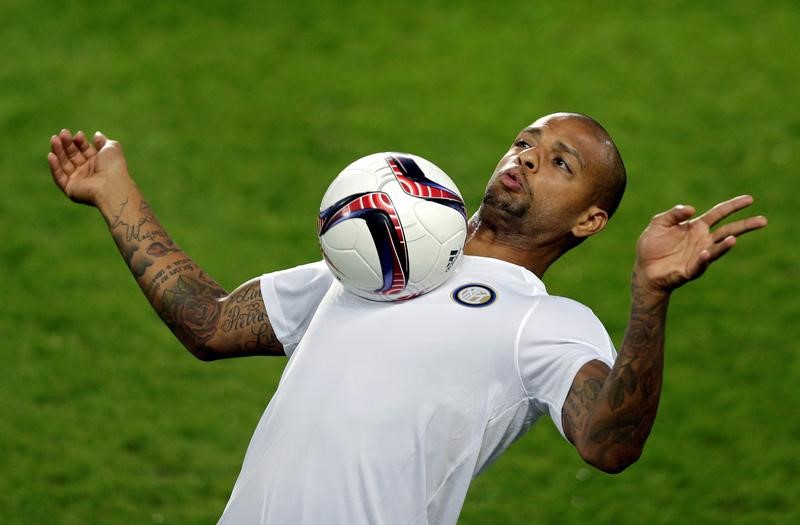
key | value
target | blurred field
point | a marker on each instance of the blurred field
(235, 115)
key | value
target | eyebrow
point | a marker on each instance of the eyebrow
(561, 146)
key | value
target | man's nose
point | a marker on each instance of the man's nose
(529, 159)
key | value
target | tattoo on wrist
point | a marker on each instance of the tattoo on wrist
(139, 226)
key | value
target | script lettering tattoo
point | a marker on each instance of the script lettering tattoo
(245, 318)
(264, 339)
(193, 306)
(134, 228)
(169, 271)
(245, 309)
(141, 227)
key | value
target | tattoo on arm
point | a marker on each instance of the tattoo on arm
(617, 408)
(245, 321)
(199, 312)
(191, 309)
(159, 249)
(581, 398)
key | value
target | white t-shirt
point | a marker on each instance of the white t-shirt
(386, 411)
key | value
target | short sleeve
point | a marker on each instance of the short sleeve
(291, 297)
(557, 338)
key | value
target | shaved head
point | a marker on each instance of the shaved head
(611, 177)
(558, 184)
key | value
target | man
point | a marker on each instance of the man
(385, 412)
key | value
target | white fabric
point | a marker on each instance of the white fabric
(386, 411)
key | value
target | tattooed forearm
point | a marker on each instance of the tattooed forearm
(610, 424)
(138, 225)
(623, 428)
(199, 312)
(134, 227)
(191, 309)
(158, 249)
(632, 389)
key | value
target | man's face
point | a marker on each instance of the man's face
(546, 179)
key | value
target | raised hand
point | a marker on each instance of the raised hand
(86, 170)
(675, 248)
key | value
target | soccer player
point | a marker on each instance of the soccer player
(386, 411)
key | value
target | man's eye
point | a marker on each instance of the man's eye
(561, 163)
(521, 144)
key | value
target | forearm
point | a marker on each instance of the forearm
(620, 419)
(185, 298)
(608, 414)
(209, 322)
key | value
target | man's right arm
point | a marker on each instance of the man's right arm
(608, 413)
(210, 323)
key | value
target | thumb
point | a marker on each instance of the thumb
(99, 140)
(674, 216)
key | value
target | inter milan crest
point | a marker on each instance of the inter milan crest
(474, 295)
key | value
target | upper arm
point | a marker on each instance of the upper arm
(580, 399)
(564, 355)
(243, 327)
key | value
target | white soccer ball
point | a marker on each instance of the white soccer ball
(392, 226)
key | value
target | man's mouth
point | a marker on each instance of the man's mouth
(511, 180)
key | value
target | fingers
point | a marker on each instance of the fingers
(59, 177)
(719, 249)
(676, 215)
(57, 147)
(739, 228)
(709, 255)
(86, 148)
(724, 209)
(725, 237)
(72, 151)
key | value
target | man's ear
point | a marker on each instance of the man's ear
(591, 221)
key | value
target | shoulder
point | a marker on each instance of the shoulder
(291, 298)
(318, 268)
(498, 273)
(561, 319)
(564, 308)
(314, 275)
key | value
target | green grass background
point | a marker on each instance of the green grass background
(236, 115)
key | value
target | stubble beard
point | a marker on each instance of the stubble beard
(503, 213)
(517, 210)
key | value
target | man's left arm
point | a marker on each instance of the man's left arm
(608, 413)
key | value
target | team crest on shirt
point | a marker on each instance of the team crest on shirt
(474, 295)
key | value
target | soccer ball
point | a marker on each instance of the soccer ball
(392, 226)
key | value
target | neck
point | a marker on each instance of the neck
(485, 241)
